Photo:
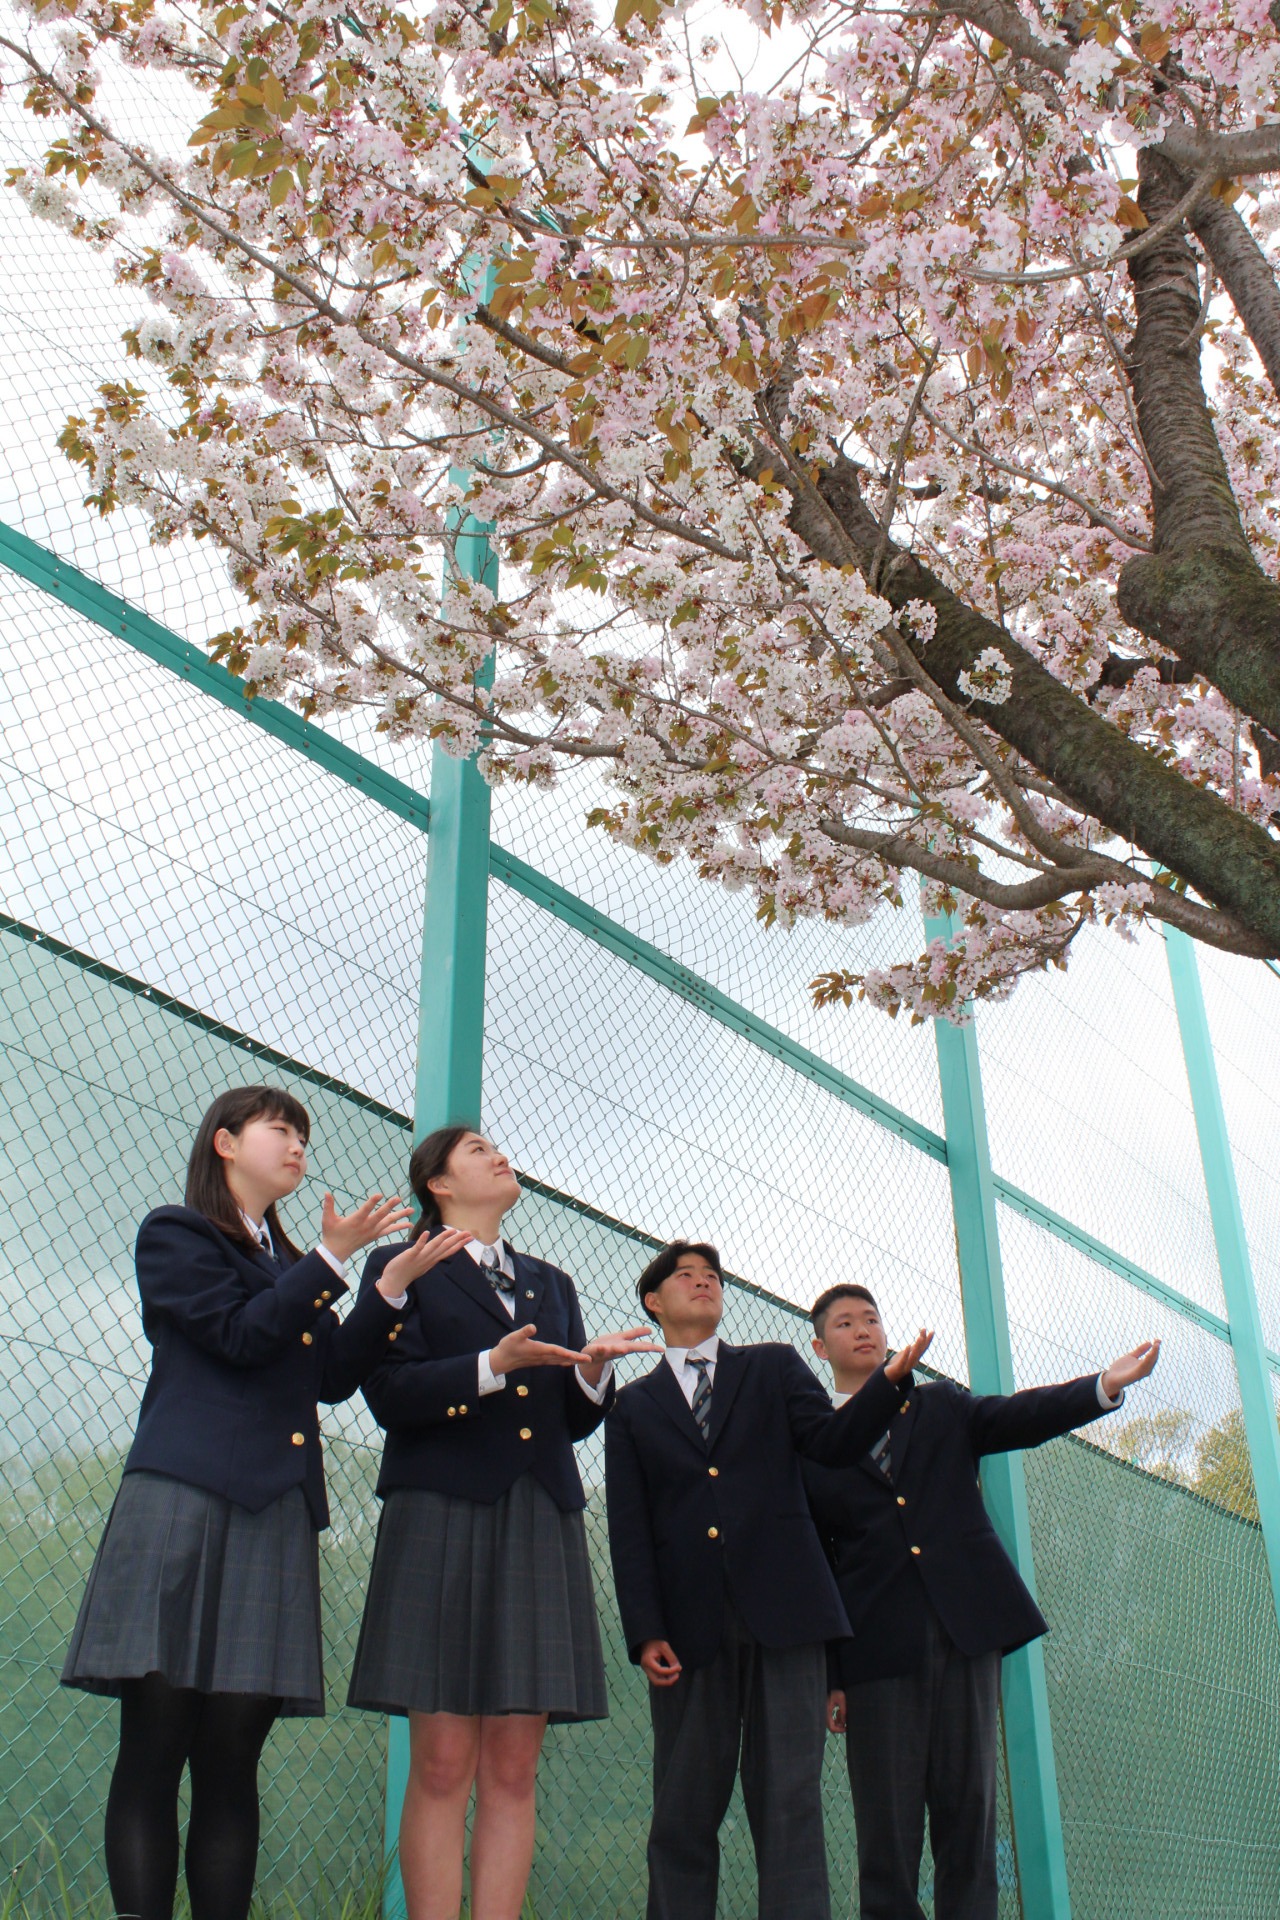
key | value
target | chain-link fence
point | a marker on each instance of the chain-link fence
(189, 903)
(192, 903)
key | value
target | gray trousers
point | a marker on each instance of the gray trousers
(926, 1740)
(761, 1708)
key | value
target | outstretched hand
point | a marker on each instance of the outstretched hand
(426, 1252)
(905, 1358)
(616, 1346)
(345, 1234)
(1130, 1367)
(521, 1348)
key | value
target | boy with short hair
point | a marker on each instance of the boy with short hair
(725, 1593)
(934, 1602)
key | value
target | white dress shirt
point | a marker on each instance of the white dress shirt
(491, 1382)
(679, 1357)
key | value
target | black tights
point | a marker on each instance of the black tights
(220, 1737)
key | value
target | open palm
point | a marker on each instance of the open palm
(1130, 1367)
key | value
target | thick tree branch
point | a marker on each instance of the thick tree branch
(1230, 155)
(1246, 273)
(1202, 595)
(1230, 861)
(901, 850)
(1003, 22)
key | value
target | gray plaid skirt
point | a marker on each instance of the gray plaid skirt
(187, 1584)
(480, 1609)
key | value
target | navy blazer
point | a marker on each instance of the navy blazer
(871, 1526)
(441, 1434)
(693, 1521)
(243, 1348)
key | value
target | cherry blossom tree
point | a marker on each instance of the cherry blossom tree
(883, 465)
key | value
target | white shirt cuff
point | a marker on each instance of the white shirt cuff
(596, 1394)
(1109, 1406)
(489, 1381)
(398, 1306)
(339, 1266)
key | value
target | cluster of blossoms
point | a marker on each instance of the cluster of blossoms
(820, 431)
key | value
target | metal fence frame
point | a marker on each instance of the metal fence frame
(448, 1082)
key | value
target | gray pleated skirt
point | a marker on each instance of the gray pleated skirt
(480, 1609)
(187, 1584)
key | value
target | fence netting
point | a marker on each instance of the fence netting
(189, 903)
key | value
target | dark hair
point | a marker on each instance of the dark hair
(426, 1163)
(664, 1264)
(847, 1290)
(207, 1190)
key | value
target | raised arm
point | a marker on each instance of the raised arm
(1000, 1423)
(404, 1392)
(838, 1439)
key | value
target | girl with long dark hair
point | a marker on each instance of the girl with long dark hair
(202, 1609)
(480, 1620)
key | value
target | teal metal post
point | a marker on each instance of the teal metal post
(450, 1058)
(1247, 1344)
(1033, 1782)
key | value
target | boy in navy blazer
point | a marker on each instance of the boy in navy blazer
(725, 1593)
(933, 1602)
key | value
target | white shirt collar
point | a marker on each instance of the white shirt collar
(261, 1233)
(478, 1248)
(839, 1399)
(706, 1350)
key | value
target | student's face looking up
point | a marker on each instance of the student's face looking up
(690, 1300)
(264, 1162)
(477, 1179)
(853, 1338)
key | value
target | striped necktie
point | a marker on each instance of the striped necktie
(702, 1392)
(491, 1266)
(880, 1454)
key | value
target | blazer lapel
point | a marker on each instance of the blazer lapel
(530, 1288)
(731, 1367)
(665, 1390)
(464, 1273)
(266, 1266)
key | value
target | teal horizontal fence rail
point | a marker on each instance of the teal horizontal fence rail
(115, 616)
(87, 597)
(1105, 1256)
(718, 1006)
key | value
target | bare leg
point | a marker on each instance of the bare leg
(502, 1837)
(444, 1749)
